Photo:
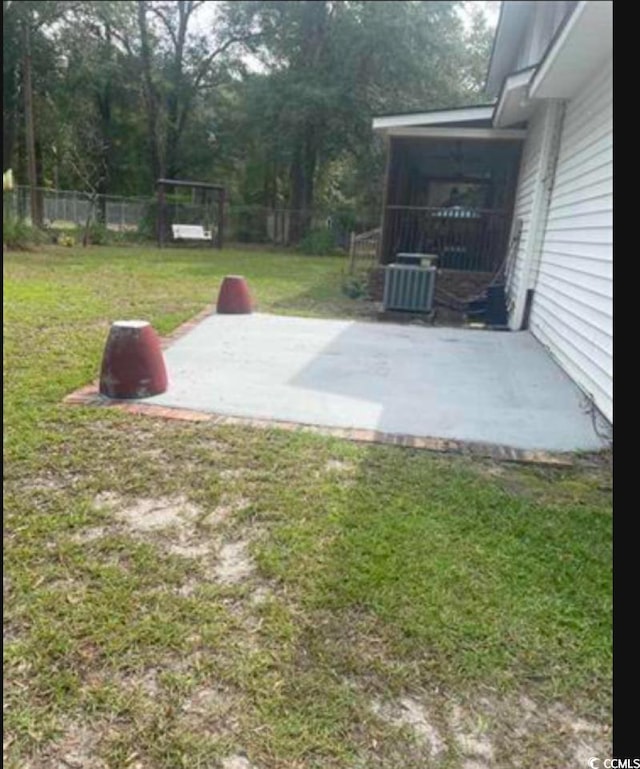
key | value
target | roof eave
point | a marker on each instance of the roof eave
(564, 69)
(512, 20)
(384, 123)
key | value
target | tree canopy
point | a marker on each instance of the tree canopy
(274, 99)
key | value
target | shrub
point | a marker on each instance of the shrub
(18, 234)
(98, 234)
(345, 220)
(355, 288)
(66, 240)
(147, 225)
(318, 243)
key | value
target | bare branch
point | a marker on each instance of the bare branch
(122, 39)
(159, 12)
(206, 63)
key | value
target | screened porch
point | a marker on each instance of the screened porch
(452, 197)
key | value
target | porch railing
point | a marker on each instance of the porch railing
(463, 238)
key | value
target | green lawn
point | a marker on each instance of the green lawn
(186, 595)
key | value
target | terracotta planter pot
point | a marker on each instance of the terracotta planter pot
(234, 296)
(132, 364)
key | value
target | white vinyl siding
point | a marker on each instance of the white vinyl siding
(572, 310)
(524, 201)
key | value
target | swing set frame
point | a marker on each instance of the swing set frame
(163, 184)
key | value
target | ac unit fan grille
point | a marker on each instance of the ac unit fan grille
(409, 289)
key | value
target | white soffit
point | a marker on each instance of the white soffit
(453, 132)
(440, 117)
(577, 53)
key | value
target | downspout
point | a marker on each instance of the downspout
(548, 182)
(549, 149)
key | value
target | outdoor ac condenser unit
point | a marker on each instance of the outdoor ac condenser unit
(409, 288)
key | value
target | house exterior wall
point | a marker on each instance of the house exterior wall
(572, 309)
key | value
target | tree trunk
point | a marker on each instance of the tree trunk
(8, 139)
(105, 159)
(40, 182)
(86, 240)
(302, 175)
(103, 101)
(36, 213)
(178, 98)
(314, 20)
(151, 96)
(20, 170)
(268, 197)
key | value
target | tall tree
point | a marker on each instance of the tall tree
(272, 98)
(11, 57)
(26, 49)
(97, 97)
(177, 64)
(331, 65)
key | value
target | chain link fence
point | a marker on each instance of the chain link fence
(68, 209)
(253, 224)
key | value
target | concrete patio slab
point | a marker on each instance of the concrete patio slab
(467, 385)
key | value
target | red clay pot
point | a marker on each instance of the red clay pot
(132, 364)
(234, 296)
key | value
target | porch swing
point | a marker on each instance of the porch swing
(178, 220)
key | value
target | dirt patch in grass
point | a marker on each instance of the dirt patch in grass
(585, 485)
(213, 445)
(340, 467)
(152, 514)
(157, 515)
(188, 589)
(172, 523)
(76, 749)
(190, 551)
(44, 483)
(147, 682)
(228, 506)
(338, 471)
(235, 564)
(408, 712)
(213, 710)
(90, 535)
(237, 762)
(471, 739)
(208, 700)
(260, 596)
(232, 474)
(565, 735)
(493, 732)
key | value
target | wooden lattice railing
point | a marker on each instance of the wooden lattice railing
(364, 250)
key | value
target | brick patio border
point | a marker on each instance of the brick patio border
(90, 396)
